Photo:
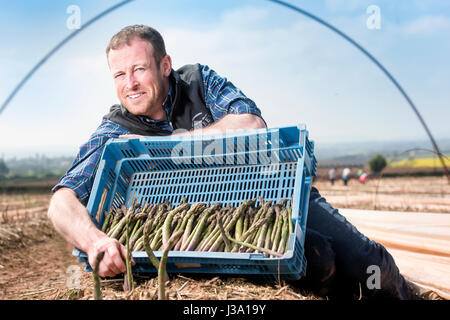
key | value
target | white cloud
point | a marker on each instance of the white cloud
(300, 72)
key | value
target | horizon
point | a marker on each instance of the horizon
(348, 148)
(309, 74)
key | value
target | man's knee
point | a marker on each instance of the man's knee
(379, 274)
(320, 263)
(320, 256)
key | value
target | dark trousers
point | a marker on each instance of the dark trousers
(338, 258)
(345, 181)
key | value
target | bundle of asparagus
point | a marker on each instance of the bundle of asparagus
(263, 228)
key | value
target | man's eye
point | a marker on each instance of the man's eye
(119, 75)
(139, 69)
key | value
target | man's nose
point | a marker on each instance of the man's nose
(132, 83)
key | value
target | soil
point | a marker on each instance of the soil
(36, 263)
(34, 266)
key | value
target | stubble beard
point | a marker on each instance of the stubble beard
(153, 104)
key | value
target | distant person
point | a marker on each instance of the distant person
(332, 175)
(345, 175)
(363, 177)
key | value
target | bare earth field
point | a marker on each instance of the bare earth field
(36, 263)
(425, 194)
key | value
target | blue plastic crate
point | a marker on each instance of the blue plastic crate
(229, 168)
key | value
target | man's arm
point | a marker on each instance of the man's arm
(230, 108)
(71, 219)
(67, 209)
(229, 123)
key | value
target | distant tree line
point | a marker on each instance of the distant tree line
(4, 170)
(37, 167)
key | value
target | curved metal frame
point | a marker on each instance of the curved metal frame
(56, 48)
(380, 66)
(281, 3)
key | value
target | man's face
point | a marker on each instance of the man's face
(141, 84)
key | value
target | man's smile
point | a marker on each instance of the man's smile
(135, 95)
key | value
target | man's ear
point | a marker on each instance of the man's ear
(166, 65)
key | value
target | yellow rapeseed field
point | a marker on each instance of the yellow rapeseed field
(420, 163)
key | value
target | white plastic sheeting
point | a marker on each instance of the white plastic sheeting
(419, 243)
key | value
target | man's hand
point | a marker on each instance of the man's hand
(71, 219)
(113, 261)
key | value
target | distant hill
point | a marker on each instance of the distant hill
(39, 166)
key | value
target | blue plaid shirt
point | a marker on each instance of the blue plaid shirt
(221, 96)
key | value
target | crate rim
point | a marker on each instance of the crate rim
(211, 136)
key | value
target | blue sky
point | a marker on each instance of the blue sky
(296, 70)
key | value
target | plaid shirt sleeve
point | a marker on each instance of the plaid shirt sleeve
(80, 176)
(223, 98)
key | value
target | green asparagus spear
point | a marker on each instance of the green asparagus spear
(162, 265)
(225, 234)
(239, 227)
(194, 242)
(262, 236)
(138, 245)
(168, 221)
(129, 283)
(149, 251)
(97, 291)
(156, 238)
(268, 241)
(277, 217)
(211, 244)
(284, 234)
(277, 237)
(107, 218)
(289, 215)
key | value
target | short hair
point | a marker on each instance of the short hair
(143, 32)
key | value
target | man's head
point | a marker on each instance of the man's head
(140, 68)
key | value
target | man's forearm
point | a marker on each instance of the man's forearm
(231, 122)
(71, 219)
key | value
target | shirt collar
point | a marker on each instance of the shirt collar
(168, 102)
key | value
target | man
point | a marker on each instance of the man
(156, 100)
